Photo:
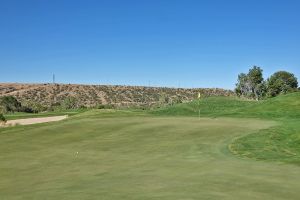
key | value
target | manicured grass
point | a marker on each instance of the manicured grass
(22, 115)
(145, 157)
(284, 106)
(211, 106)
(163, 154)
(280, 143)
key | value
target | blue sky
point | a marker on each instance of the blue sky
(186, 43)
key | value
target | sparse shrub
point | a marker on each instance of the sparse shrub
(164, 99)
(90, 96)
(177, 100)
(101, 106)
(2, 109)
(82, 107)
(69, 103)
(28, 110)
(2, 119)
(10, 104)
(106, 106)
(54, 106)
(32, 107)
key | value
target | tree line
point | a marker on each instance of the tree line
(252, 85)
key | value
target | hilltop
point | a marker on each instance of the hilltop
(93, 95)
(282, 106)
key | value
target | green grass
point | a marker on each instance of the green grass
(280, 143)
(23, 115)
(210, 107)
(163, 154)
(284, 106)
(145, 157)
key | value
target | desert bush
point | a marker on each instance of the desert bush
(106, 106)
(100, 106)
(10, 104)
(2, 119)
(54, 106)
(69, 103)
(90, 96)
(2, 109)
(27, 110)
(33, 107)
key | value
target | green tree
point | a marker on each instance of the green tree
(242, 86)
(251, 85)
(260, 90)
(256, 79)
(281, 82)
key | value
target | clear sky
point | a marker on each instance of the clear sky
(186, 43)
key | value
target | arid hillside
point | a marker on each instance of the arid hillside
(93, 95)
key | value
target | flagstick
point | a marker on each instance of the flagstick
(199, 97)
(199, 108)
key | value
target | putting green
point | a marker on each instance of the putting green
(114, 156)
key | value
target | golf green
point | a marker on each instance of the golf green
(102, 155)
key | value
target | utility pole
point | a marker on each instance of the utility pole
(54, 90)
(53, 79)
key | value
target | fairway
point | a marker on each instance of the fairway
(103, 155)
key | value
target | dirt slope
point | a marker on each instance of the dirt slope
(91, 95)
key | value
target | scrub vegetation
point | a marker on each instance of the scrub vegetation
(45, 97)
